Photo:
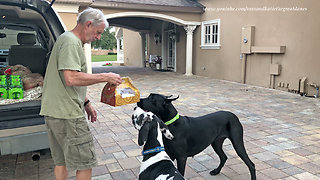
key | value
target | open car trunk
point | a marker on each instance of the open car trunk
(28, 31)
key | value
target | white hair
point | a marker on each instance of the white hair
(94, 15)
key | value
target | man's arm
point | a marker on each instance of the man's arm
(76, 78)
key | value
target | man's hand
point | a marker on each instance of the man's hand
(114, 79)
(91, 112)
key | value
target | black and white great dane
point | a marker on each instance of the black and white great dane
(194, 134)
(156, 164)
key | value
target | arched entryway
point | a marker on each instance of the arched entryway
(160, 35)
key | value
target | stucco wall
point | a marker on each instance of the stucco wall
(132, 48)
(297, 30)
(69, 19)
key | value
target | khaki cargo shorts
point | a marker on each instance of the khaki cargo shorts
(71, 143)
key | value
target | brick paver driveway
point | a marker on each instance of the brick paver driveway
(281, 131)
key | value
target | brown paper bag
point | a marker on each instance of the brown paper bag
(120, 95)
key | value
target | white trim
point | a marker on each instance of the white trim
(210, 46)
(175, 55)
(174, 50)
(119, 32)
(153, 15)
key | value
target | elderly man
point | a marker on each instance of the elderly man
(64, 97)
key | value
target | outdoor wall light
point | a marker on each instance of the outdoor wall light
(157, 38)
(173, 36)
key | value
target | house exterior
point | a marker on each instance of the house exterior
(272, 44)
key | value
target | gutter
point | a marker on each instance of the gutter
(147, 7)
(79, 2)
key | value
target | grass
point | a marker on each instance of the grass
(99, 58)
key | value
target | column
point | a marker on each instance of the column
(118, 49)
(189, 29)
(143, 48)
(87, 53)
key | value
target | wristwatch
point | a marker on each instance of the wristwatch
(87, 102)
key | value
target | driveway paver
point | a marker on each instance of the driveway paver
(281, 131)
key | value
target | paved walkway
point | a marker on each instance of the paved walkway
(281, 131)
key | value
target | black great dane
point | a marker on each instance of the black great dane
(194, 134)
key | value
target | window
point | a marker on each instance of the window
(210, 34)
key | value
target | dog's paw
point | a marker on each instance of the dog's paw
(214, 172)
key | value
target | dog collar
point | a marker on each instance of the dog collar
(172, 120)
(154, 150)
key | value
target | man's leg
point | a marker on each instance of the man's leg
(84, 174)
(57, 137)
(80, 153)
(60, 172)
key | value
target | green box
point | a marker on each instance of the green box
(11, 87)
(3, 93)
(15, 93)
(3, 81)
(15, 82)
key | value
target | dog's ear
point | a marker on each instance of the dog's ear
(169, 99)
(164, 128)
(143, 133)
(161, 123)
(148, 117)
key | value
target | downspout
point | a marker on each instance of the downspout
(243, 69)
(272, 80)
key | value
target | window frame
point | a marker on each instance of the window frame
(204, 26)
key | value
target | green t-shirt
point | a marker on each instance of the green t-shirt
(58, 99)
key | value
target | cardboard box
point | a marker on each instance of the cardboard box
(120, 95)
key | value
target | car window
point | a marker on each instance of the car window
(19, 19)
(11, 38)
